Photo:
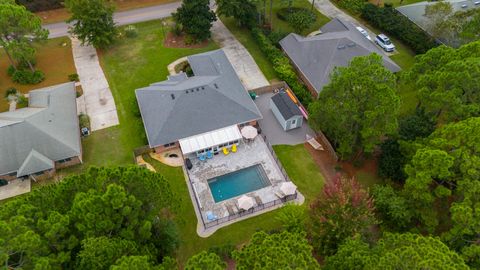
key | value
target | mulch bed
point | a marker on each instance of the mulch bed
(173, 41)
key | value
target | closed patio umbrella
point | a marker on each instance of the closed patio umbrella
(245, 202)
(249, 132)
(288, 188)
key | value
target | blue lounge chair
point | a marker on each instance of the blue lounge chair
(209, 154)
(202, 157)
(211, 216)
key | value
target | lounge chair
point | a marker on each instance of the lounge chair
(209, 155)
(279, 194)
(225, 151)
(258, 200)
(202, 157)
(231, 209)
(211, 216)
(234, 148)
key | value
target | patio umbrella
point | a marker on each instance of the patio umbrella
(245, 202)
(288, 188)
(249, 132)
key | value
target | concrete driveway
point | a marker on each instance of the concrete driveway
(97, 100)
(122, 18)
(15, 188)
(273, 130)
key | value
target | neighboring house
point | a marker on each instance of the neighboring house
(199, 113)
(45, 136)
(286, 111)
(416, 12)
(315, 57)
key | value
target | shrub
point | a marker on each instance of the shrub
(27, 76)
(282, 66)
(73, 77)
(276, 36)
(11, 91)
(84, 121)
(10, 70)
(284, 13)
(22, 101)
(131, 31)
(224, 251)
(301, 20)
(176, 29)
(392, 22)
(354, 6)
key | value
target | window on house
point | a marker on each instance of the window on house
(294, 122)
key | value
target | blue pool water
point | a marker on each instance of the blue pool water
(237, 183)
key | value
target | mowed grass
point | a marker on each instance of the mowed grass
(301, 169)
(54, 58)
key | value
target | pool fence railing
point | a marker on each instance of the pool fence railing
(277, 160)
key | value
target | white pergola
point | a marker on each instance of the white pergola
(209, 139)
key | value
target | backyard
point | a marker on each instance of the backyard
(59, 49)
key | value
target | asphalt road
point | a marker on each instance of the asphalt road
(122, 18)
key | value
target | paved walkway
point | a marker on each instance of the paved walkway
(123, 18)
(243, 63)
(97, 101)
(15, 188)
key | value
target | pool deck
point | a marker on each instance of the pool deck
(248, 154)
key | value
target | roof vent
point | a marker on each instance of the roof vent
(216, 86)
(186, 91)
(172, 96)
(341, 47)
(464, 6)
(352, 44)
(203, 88)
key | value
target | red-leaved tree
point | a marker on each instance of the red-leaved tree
(343, 209)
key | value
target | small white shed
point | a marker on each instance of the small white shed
(286, 111)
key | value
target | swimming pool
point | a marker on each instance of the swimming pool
(238, 182)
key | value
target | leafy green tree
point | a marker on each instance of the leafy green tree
(396, 251)
(392, 208)
(417, 125)
(102, 252)
(92, 22)
(470, 29)
(283, 250)
(243, 11)
(196, 18)
(301, 20)
(19, 28)
(358, 107)
(205, 261)
(391, 161)
(446, 163)
(343, 209)
(133, 263)
(293, 218)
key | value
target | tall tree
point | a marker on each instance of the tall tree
(243, 11)
(92, 22)
(283, 250)
(205, 261)
(393, 209)
(102, 252)
(396, 251)
(343, 209)
(358, 107)
(196, 18)
(19, 28)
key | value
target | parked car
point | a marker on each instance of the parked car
(364, 32)
(384, 42)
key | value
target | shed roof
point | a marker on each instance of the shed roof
(181, 107)
(47, 128)
(317, 56)
(285, 105)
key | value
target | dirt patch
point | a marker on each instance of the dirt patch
(173, 41)
(369, 167)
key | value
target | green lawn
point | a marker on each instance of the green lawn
(301, 169)
(280, 25)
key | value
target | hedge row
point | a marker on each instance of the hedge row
(282, 66)
(40, 5)
(394, 23)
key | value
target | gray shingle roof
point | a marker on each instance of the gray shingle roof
(35, 162)
(317, 56)
(181, 107)
(285, 105)
(49, 126)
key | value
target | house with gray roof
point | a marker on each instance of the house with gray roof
(199, 112)
(43, 137)
(316, 57)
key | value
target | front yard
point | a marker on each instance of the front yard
(54, 58)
